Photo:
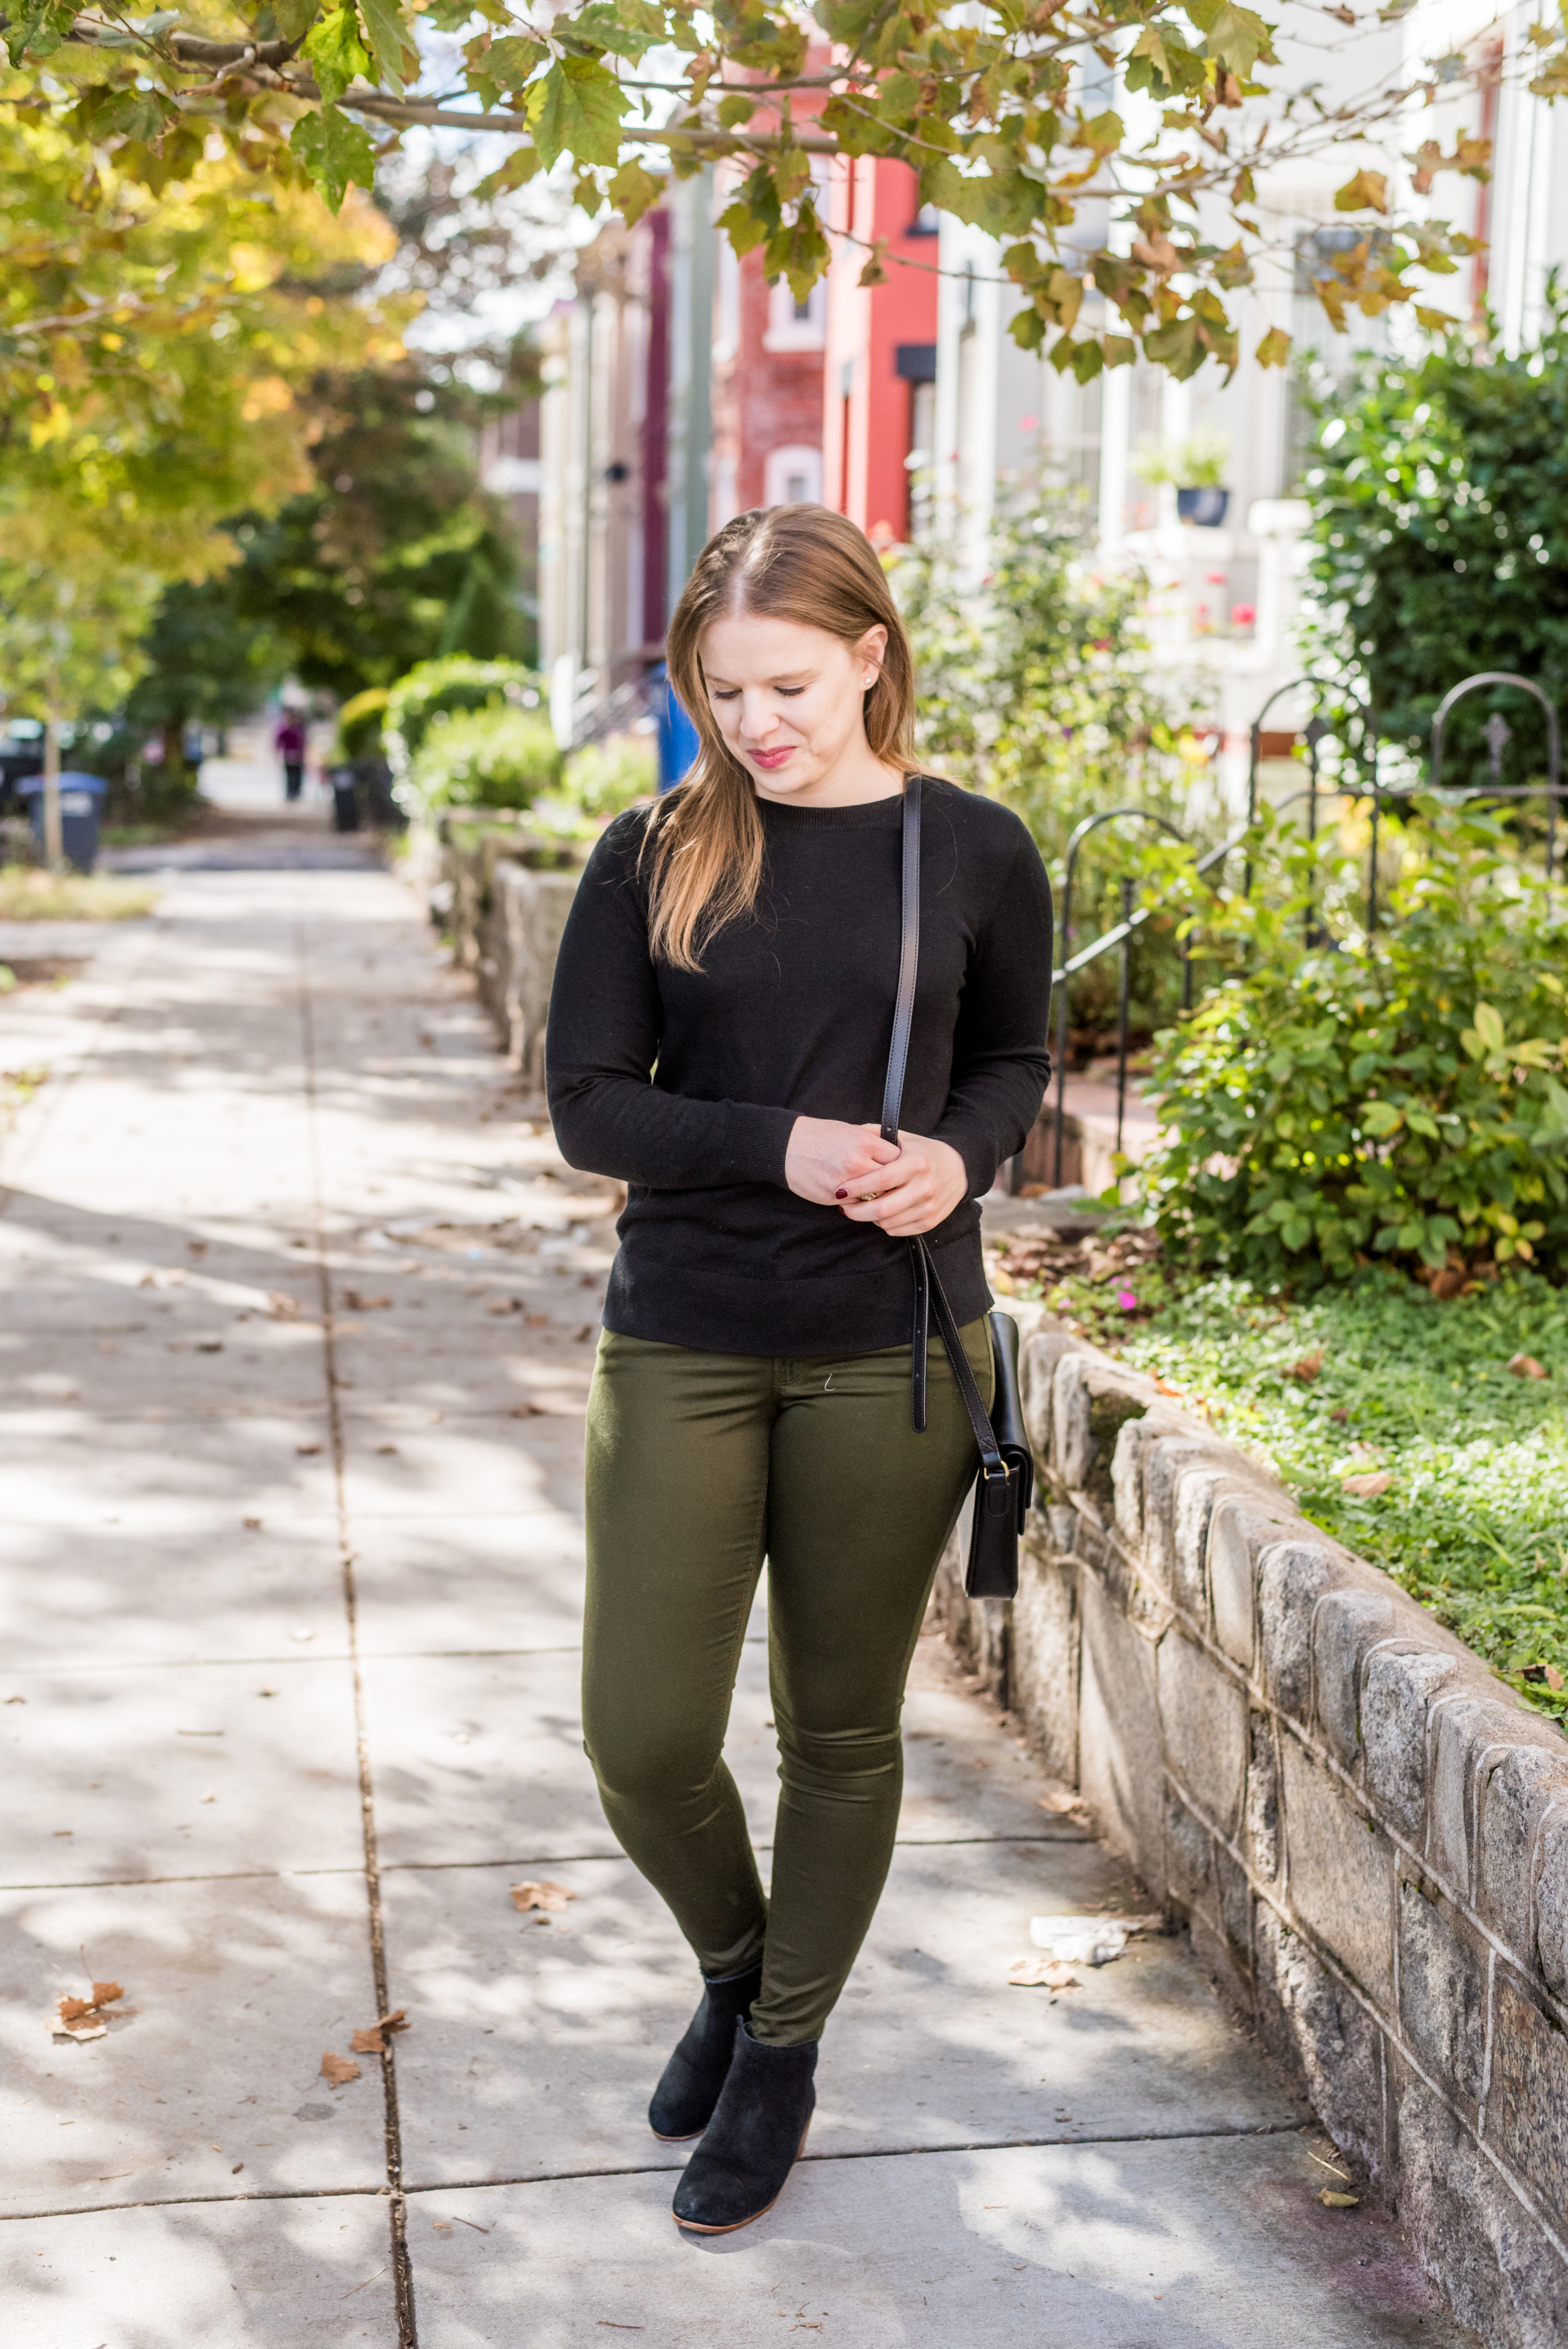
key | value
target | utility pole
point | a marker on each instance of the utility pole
(54, 833)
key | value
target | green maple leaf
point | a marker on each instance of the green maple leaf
(576, 111)
(1234, 36)
(506, 64)
(387, 36)
(633, 192)
(293, 17)
(1274, 348)
(335, 152)
(337, 53)
(38, 31)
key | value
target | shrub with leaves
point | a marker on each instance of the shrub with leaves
(484, 758)
(434, 689)
(1344, 1098)
(603, 778)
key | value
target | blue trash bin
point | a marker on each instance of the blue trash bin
(679, 741)
(81, 814)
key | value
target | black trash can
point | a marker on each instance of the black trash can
(344, 798)
(81, 814)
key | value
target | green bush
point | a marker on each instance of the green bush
(1342, 1098)
(445, 689)
(1440, 495)
(484, 758)
(361, 722)
(606, 777)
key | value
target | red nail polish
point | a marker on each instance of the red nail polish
(841, 1194)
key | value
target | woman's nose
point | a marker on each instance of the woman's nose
(757, 717)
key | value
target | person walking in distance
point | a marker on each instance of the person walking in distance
(718, 1037)
(289, 741)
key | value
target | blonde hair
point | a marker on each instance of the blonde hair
(783, 563)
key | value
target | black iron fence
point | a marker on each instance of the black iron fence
(1338, 717)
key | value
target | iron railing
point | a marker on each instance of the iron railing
(1317, 730)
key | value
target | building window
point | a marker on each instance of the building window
(927, 222)
(793, 477)
(796, 326)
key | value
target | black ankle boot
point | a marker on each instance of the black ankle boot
(686, 2094)
(754, 2139)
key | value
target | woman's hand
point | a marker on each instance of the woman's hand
(911, 1193)
(827, 1159)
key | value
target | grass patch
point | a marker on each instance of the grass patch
(28, 894)
(1393, 1419)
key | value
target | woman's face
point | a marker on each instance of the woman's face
(790, 699)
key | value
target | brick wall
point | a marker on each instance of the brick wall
(1366, 1831)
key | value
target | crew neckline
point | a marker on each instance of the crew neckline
(860, 815)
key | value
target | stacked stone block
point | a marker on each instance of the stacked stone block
(1364, 1829)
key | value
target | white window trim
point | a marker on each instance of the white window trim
(798, 458)
(785, 332)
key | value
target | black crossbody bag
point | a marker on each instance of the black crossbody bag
(1006, 1480)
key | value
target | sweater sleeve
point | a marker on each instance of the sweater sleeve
(601, 1047)
(1000, 1061)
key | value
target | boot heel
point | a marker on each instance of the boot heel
(756, 2136)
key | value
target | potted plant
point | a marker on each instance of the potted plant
(1195, 467)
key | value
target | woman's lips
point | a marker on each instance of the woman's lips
(770, 759)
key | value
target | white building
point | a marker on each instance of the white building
(1225, 596)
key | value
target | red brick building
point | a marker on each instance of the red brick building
(879, 377)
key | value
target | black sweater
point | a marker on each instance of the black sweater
(686, 1085)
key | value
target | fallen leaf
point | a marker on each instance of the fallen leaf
(1340, 1414)
(396, 2021)
(1061, 1806)
(550, 1897)
(1368, 1487)
(382, 1450)
(83, 2018)
(518, 1411)
(1332, 2201)
(1525, 1366)
(306, 1450)
(1553, 1677)
(1308, 1368)
(1041, 1974)
(505, 1305)
(368, 2043)
(356, 1303)
(338, 2070)
(535, 1320)
(251, 1525)
(282, 1307)
(236, 2169)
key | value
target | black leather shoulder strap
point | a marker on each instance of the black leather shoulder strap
(908, 964)
(927, 1286)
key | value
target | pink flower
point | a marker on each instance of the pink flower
(1243, 616)
(1127, 1300)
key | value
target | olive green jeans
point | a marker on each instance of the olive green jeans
(700, 1466)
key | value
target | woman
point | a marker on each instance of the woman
(718, 1037)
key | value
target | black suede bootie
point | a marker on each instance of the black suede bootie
(688, 2090)
(754, 2139)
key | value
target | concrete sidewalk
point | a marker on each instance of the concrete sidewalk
(298, 1322)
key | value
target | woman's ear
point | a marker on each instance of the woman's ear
(871, 652)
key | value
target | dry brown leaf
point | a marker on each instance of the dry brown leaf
(549, 1896)
(368, 2043)
(338, 2070)
(1061, 1806)
(283, 1307)
(105, 1993)
(526, 1411)
(505, 1305)
(1525, 1366)
(1368, 1487)
(396, 2021)
(356, 1303)
(1553, 1677)
(306, 1450)
(1308, 1368)
(1332, 2201)
(1041, 1974)
(535, 1320)
(83, 2018)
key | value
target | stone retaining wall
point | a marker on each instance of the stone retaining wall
(503, 896)
(1366, 1831)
